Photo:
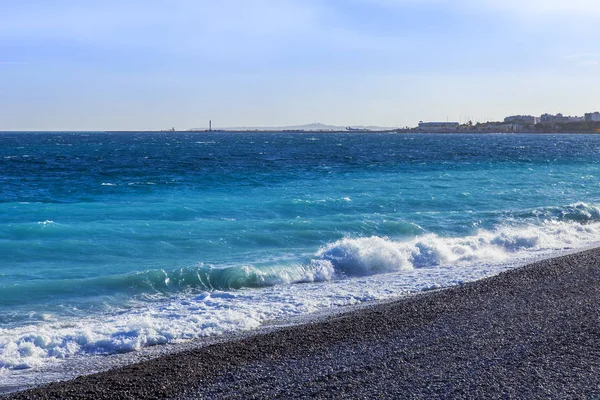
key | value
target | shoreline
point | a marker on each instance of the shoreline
(527, 332)
(394, 131)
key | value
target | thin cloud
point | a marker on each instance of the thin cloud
(584, 59)
(582, 55)
(517, 6)
(230, 28)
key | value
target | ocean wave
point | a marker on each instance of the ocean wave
(364, 256)
(207, 300)
(374, 255)
(146, 284)
(579, 212)
(570, 227)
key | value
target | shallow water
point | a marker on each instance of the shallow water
(110, 242)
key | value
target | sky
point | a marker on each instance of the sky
(152, 64)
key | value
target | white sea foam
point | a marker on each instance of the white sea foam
(366, 256)
(348, 271)
(374, 255)
(45, 223)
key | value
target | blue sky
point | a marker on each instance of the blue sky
(79, 65)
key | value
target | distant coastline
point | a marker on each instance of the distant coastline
(401, 131)
(582, 127)
(519, 126)
(414, 131)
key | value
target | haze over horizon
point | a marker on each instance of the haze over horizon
(155, 64)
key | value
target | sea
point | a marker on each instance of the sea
(114, 242)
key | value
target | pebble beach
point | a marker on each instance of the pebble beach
(531, 332)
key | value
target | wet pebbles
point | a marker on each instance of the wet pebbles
(532, 332)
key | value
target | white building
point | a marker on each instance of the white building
(592, 117)
(558, 119)
(553, 119)
(521, 120)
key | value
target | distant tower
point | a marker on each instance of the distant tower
(210, 125)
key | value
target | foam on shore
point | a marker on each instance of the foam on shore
(546, 355)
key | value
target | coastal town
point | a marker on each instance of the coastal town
(546, 123)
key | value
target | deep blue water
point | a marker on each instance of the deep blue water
(116, 226)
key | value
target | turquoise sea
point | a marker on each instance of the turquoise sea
(110, 242)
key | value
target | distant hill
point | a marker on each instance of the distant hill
(315, 126)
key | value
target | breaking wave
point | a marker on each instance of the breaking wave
(209, 301)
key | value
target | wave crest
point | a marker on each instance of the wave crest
(374, 255)
(221, 309)
(579, 212)
(366, 256)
